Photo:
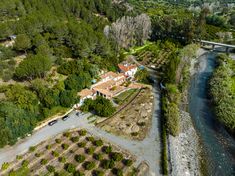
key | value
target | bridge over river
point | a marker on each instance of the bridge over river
(214, 44)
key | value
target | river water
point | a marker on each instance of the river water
(218, 145)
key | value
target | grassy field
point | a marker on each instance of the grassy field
(71, 153)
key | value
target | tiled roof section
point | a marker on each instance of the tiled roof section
(109, 74)
(85, 93)
(126, 68)
(105, 85)
(105, 92)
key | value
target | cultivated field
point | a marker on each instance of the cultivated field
(72, 153)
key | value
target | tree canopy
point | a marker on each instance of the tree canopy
(33, 67)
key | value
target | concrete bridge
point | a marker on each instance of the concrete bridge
(214, 44)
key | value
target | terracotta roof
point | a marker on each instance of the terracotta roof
(85, 92)
(105, 92)
(126, 68)
(109, 74)
(105, 85)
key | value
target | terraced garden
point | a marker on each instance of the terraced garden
(134, 121)
(75, 153)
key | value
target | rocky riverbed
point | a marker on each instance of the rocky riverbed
(184, 149)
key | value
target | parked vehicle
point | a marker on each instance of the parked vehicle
(52, 122)
(65, 118)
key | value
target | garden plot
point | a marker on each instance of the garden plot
(134, 120)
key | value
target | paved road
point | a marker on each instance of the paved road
(9, 153)
(147, 150)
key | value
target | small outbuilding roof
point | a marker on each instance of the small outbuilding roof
(126, 67)
(85, 92)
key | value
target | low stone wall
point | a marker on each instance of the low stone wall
(45, 122)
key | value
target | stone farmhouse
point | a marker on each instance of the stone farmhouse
(110, 84)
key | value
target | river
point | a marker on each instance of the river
(218, 145)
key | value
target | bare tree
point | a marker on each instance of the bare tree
(143, 28)
(129, 31)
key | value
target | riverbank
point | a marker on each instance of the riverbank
(184, 150)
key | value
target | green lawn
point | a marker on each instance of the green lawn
(123, 97)
(139, 48)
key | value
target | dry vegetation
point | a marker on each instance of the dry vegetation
(134, 121)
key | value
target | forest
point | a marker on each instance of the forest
(59, 48)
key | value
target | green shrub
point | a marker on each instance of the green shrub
(74, 139)
(98, 156)
(44, 161)
(55, 153)
(67, 134)
(50, 168)
(62, 159)
(90, 150)
(25, 163)
(172, 116)
(98, 143)
(37, 155)
(58, 141)
(82, 132)
(78, 173)
(127, 162)
(19, 157)
(89, 165)
(164, 158)
(115, 156)
(70, 168)
(90, 138)
(79, 158)
(48, 147)
(82, 144)
(5, 166)
(117, 172)
(107, 164)
(32, 149)
(98, 173)
(65, 146)
(102, 106)
(107, 149)
(134, 133)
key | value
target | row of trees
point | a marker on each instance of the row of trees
(222, 90)
(176, 79)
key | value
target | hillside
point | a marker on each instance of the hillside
(49, 51)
